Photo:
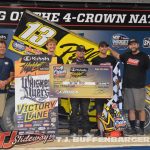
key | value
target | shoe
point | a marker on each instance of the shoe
(72, 135)
(97, 133)
(87, 135)
(141, 132)
(131, 132)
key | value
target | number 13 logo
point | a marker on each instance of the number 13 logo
(37, 34)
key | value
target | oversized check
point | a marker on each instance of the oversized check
(81, 81)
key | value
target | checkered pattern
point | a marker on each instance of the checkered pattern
(117, 90)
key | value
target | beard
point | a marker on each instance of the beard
(134, 50)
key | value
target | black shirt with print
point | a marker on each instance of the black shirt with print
(110, 60)
(78, 62)
(135, 67)
(59, 60)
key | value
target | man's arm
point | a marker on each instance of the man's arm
(147, 62)
(114, 53)
(4, 83)
(11, 77)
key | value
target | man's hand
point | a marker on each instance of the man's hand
(114, 53)
(117, 82)
(3, 84)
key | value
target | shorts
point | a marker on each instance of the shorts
(3, 97)
(99, 105)
(134, 99)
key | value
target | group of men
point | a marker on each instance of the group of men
(136, 63)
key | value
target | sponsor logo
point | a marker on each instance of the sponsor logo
(146, 42)
(6, 63)
(30, 132)
(3, 36)
(53, 114)
(74, 69)
(46, 121)
(23, 129)
(20, 125)
(66, 92)
(53, 119)
(52, 124)
(35, 89)
(41, 128)
(120, 123)
(9, 139)
(59, 71)
(21, 133)
(20, 121)
(33, 129)
(46, 124)
(133, 62)
(120, 41)
(18, 46)
(36, 58)
(78, 72)
(28, 125)
(36, 125)
(51, 132)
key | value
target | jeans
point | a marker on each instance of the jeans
(79, 106)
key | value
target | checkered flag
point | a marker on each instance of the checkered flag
(117, 85)
(117, 89)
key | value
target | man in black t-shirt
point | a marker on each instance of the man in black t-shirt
(136, 64)
(102, 59)
(81, 104)
(6, 75)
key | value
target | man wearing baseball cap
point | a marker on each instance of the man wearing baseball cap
(82, 103)
(102, 59)
(132, 41)
(136, 63)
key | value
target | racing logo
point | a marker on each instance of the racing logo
(146, 42)
(120, 41)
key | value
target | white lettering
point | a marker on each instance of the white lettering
(143, 19)
(109, 18)
(134, 18)
(80, 18)
(14, 16)
(121, 18)
(2, 15)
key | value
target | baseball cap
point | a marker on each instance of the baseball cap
(103, 44)
(132, 41)
(80, 48)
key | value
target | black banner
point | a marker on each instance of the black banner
(83, 17)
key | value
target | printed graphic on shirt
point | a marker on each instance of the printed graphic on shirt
(133, 62)
(105, 64)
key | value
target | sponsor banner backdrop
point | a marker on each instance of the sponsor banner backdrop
(78, 81)
(35, 111)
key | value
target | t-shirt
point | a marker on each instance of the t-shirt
(77, 61)
(109, 60)
(6, 66)
(59, 60)
(56, 59)
(135, 67)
